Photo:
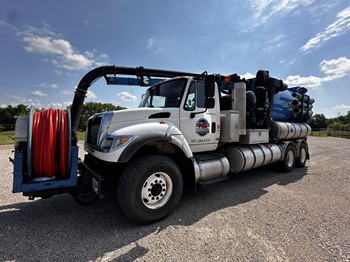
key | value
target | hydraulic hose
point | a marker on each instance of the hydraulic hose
(50, 143)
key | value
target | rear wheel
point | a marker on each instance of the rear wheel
(288, 161)
(301, 160)
(150, 188)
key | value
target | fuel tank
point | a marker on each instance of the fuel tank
(287, 130)
(247, 157)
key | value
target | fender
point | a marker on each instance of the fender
(165, 132)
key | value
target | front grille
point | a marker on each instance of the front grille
(93, 130)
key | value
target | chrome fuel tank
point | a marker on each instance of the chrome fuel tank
(286, 130)
(243, 158)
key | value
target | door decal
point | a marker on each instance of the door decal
(202, 127)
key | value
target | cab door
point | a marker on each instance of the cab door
(200, 127)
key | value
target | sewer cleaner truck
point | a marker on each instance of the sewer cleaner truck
(188, 128)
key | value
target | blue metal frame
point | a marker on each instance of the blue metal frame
(20, 186)
(114, 80)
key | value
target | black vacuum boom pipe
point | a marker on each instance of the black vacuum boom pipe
(93, 75)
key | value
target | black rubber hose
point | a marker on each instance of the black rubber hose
(93, 75)
(81, 91)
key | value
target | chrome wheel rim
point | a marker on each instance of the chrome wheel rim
(302, 155)
(156, 190)
(290, 158)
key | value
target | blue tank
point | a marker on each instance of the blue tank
(292, 105)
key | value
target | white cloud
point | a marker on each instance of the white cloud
(341, 107)
(127, 96)
(62, 105)
(308, 81)
(154, 45)
(339, 27)
(332, 69)
(264, 9)
(247, 76)
(275, 42)
(36, 103)
(336, 110)
(18, 99)
(86, 21)
(67, 93)
(286, 6)
(336, 67)
(45, 85)
(38, 93)
(90, 94)
(150, 43)
(103, 56)
(46, 42)
(7, 25)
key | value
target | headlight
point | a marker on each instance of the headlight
(112, 143)
(104, 125)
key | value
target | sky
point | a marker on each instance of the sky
(48, 46)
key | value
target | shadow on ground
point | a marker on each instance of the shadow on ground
(59, 229)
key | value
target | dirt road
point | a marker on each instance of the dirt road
(262, 215)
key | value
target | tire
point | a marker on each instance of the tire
(301, 160)
(87, 195)
(85, 198)
(288, 162)
(150, 188)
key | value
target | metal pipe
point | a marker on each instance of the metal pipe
(296, 110)
(297, 95)
(295, 102)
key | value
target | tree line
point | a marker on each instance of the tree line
(9, 114)
(319, 121)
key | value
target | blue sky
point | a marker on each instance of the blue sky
(48, 46)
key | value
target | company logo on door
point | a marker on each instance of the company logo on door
(202, 127)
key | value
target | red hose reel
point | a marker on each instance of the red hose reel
(50, 138)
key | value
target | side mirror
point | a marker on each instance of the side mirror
(209, 86)
(209, 102)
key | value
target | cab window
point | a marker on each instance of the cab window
(195, 96)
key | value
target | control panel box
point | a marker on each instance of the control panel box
(229, 126)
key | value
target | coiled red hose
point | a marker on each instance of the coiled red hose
(50, 143)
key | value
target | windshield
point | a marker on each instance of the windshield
(166, 94)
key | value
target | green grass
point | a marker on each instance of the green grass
(5, 137)
(332, 133)
(320, 133)
(81, 135)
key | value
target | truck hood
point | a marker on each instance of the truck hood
(143, 113)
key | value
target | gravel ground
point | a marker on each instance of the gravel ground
(261, 215)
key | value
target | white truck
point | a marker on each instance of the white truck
(188, 127)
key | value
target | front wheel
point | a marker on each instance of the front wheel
(149, 188)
